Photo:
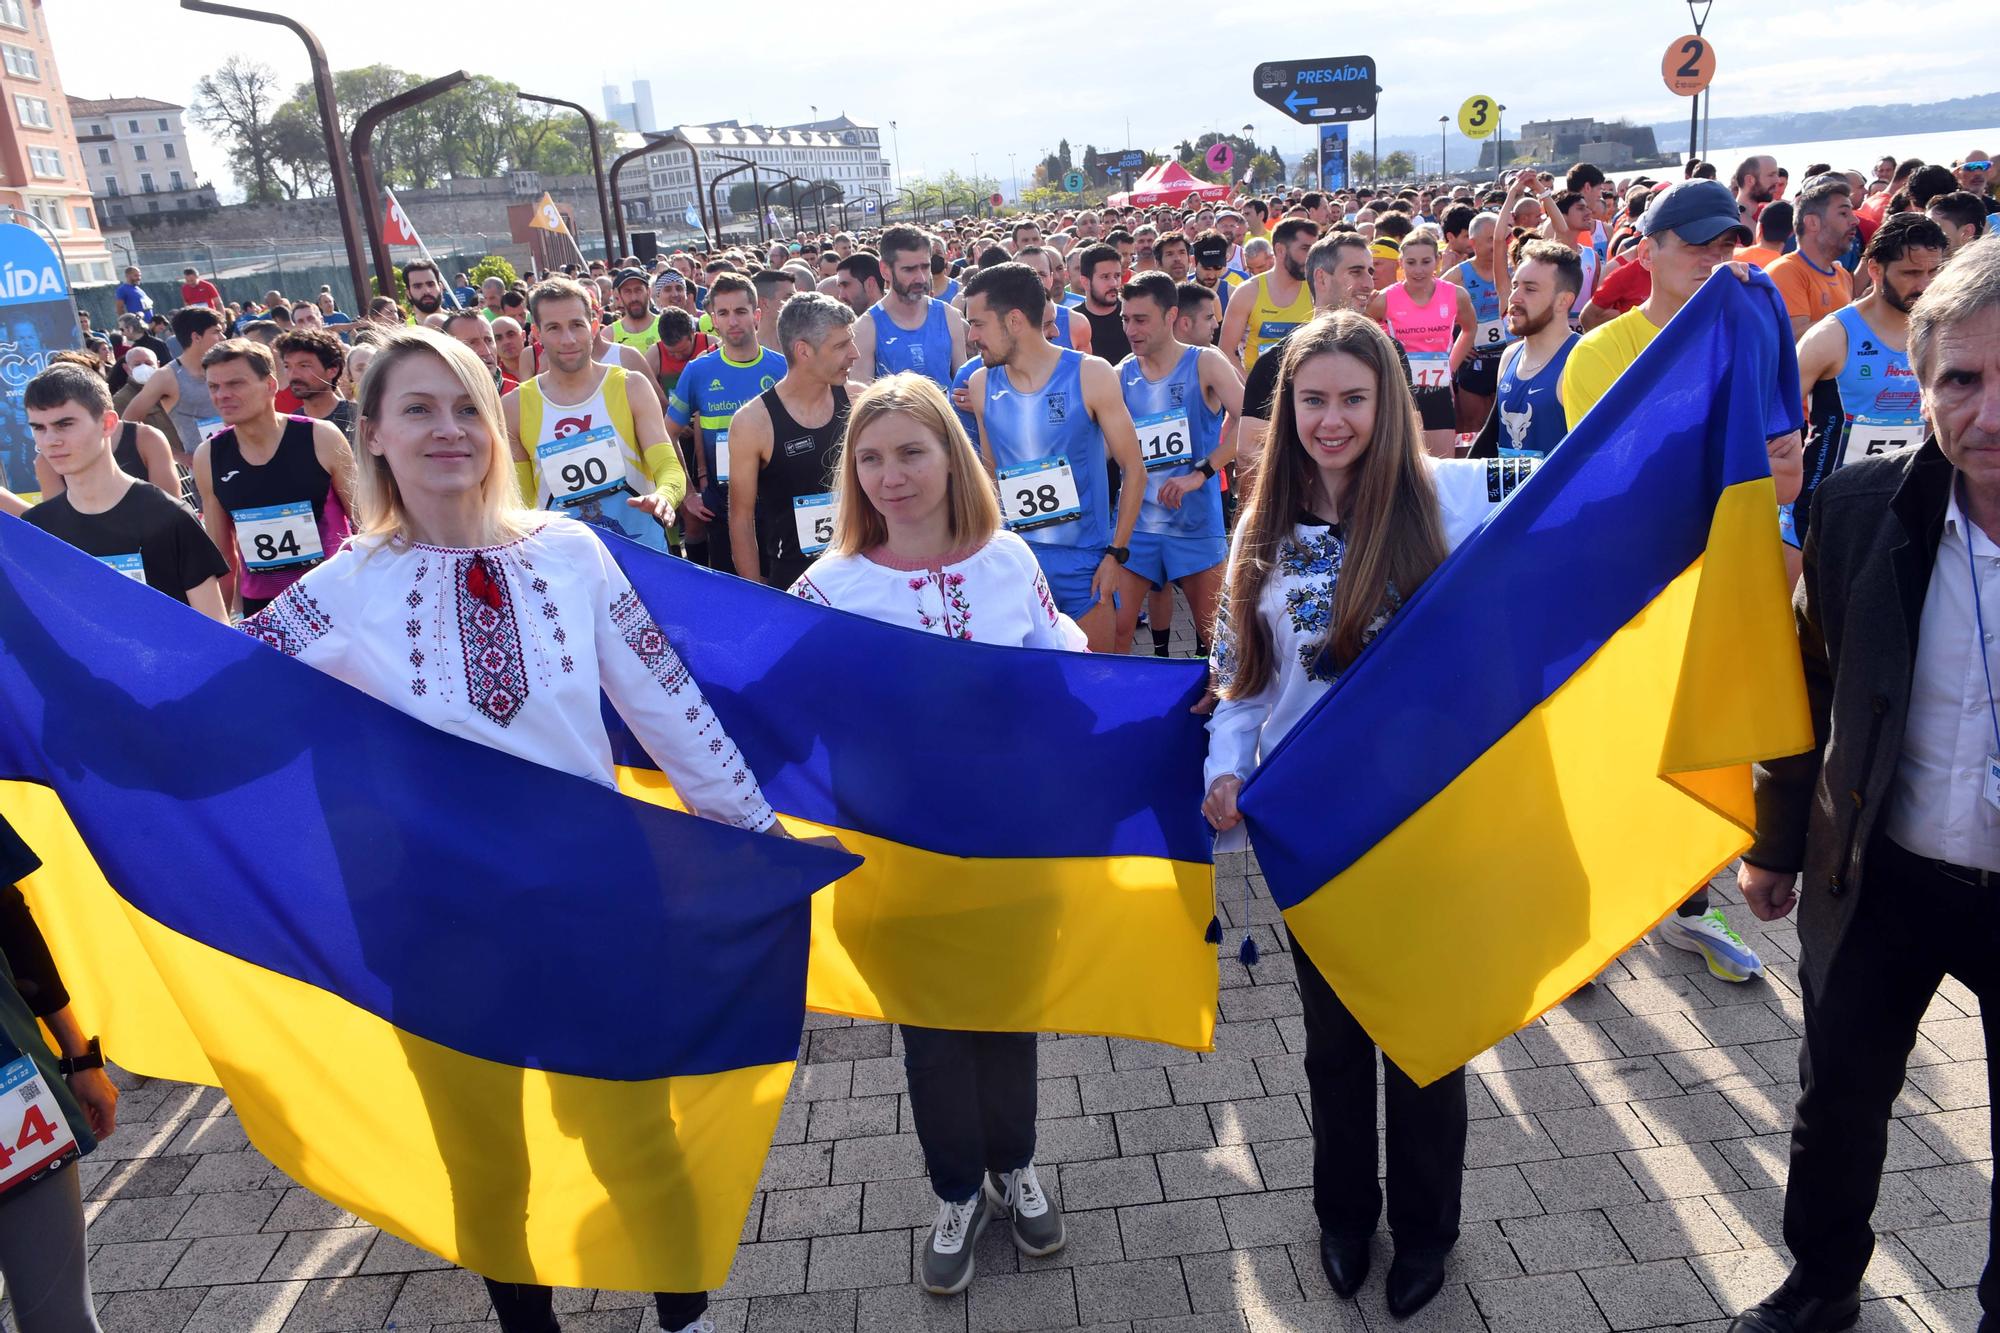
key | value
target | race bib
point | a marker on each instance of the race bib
(206, 427)
(34, 1136)
(277, 536)
(131, 566)
(1430, 370)
(1039, 494)
(722, 457)
(1164, 440)
(814, 516)
(1867, 437)
(579, 466)
(1489, 336)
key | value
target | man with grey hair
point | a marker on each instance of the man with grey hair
(784, 445)
(1886, 835)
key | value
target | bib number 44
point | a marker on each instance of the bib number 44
(34, 1136)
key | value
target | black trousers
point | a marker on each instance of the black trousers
(522, 1308)
(1426, 1131)
(1913, 925)
(972, 1096)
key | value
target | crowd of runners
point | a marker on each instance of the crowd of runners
(1029, 429)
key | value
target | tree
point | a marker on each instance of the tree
(493, 266)
(1266, 167)
(1361, 164)
(742, 197)
(1398, 165)
(236, 104)
(298, 150)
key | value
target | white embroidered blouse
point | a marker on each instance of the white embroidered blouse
(992, 594)
(509, 646)
(1296, 606)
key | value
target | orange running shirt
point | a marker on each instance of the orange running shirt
(1810, 294)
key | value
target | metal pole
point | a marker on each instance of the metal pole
(329, 121)
(1442, 173)
(361, 145)
(596, 165)
(618, 195)
(714, 206)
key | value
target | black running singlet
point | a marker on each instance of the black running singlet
(795, 489)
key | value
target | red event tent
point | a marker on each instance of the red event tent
(1170, 184)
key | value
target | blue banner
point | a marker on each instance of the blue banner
(37, 316)
(1333, 157)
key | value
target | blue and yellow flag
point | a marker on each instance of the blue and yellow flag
(513, 1017)
(1030, 821)
(1549, 748)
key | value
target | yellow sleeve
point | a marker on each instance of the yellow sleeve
(663, 465)
(1583, 382)
(524, 476)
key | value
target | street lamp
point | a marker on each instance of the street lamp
(1015, 172)
(897, 139)
(329, 124)
(1442, 121)
(596, 165)
(362, 151)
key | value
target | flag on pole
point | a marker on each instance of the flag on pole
(397, 229)
(1514, 827)
(547, 216)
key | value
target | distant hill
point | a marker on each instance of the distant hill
(1960, 113)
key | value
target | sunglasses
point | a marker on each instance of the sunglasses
(1975, 166)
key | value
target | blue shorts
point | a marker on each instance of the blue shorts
(1161, 557)
(1788, 527)
(1069, 570)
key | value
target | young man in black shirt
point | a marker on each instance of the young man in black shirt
(133, 527)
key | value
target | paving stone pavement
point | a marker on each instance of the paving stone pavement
(1625, 1170)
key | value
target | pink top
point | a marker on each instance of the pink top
(1422, 328)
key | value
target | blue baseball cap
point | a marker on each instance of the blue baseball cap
(1697, 211)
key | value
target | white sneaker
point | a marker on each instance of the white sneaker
(1728, 957)
(701, 1325)
(1038, 1226)
(947, 1268)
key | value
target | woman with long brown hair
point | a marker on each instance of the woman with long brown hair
(1346, 518)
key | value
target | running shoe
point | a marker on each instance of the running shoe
(1038, 1224)
(948, 1257)
(1728, 957)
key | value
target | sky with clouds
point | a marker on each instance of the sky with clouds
(994, 80)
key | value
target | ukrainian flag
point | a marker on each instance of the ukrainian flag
(1549, 748)
(517, 1019)
(1030, 821)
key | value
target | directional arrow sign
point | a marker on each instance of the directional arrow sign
(1318, 92)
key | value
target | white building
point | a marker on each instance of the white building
(135, 152)
(659, 187)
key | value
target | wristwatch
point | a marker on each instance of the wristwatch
(1122, 554)
(90, 1059)
(1206, 468)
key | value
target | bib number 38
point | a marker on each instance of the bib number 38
(1039, 494)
